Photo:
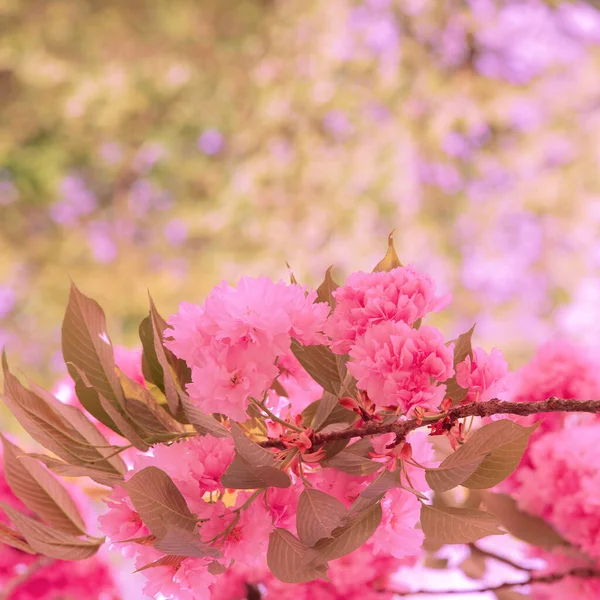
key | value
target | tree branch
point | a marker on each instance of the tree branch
(473, 409)
(550, 578)
(481, 552)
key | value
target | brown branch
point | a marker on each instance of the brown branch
(13, 584)
(475, 549)
(550, 578)
(473, 409)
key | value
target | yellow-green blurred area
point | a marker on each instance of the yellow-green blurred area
(166, 146)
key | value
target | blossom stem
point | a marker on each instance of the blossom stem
(473, 409)
(550, 578)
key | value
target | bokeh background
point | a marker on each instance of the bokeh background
(168, 145)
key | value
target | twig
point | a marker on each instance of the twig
(473, 409)
(477, 550)
(551, 578)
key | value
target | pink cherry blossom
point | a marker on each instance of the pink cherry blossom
(562, 484)
(482, 375)
(402, 294)
(396, 365)
(397, 535)
(232, 343)
(248, 537)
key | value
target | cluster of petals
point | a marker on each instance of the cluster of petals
(361, 575)
(196, 467)
(402, 367)
(561, 484)
(92, 578)
(401, 295)
(562, 369)
(484, 375)
(232, 342)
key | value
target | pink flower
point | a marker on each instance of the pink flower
(397, 365)
(188, 581)
(560, 368)
(283, 505)
(121, 521)
(130, 362)
(248, 538)
(232, 343)
(397, 534)
(402, 294)
(225, 381)
(482, 376)
(300, 387)
(562, 484)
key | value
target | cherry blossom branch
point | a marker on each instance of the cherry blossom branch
(473, 409)
(13, 584)
(481, 552)
(550, 578)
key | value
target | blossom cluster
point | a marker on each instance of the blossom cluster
(241, 533)
(558, 478)
(241, 342)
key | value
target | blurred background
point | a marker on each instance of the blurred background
(168, 145)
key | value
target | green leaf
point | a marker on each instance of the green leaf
(451, 525)
(40, 491)
(203, 423)
(151, 368)
(241, 475)
(463, 347)
(317, 516)
(170, 560)
(346, 539)
(142, 409)
(488, 457)
(338, 414)
(526, 527)
(126, 427)
(326, 368)
(324, 408)
(326, 289)
(14, 539)
(505, 442)
(353, 464)
(285, 559)
(158, 501)
(390, 260)
(66, 470)
(182, 542)
(48, 541)
(382, 483)
(87, 350)
(63, 429)
(451, 473)
(152, 327)
(251, 452)
(453, 391)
